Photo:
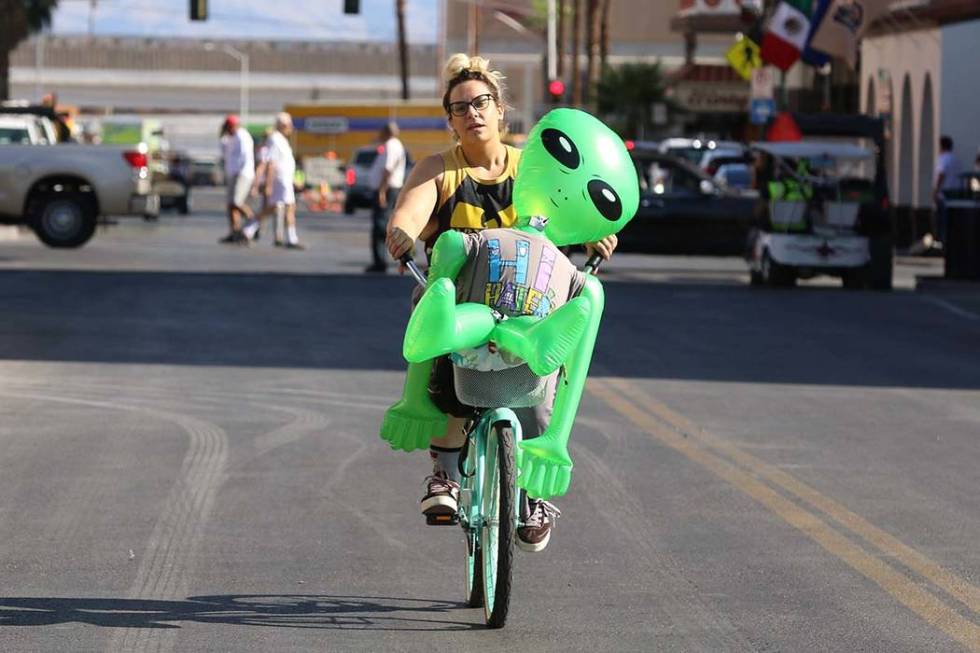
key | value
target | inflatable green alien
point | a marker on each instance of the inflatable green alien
(576, 183)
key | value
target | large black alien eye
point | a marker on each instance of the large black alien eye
(560, 146)
(605, 199)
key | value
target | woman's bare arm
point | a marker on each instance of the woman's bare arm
(416, 203)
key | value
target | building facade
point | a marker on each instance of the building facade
(920, 71)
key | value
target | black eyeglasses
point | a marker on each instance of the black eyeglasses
(480, 102)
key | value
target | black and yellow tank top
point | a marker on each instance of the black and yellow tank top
(468, 203)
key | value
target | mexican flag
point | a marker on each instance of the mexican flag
(786, 33)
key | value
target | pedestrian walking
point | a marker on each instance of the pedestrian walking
(237, 151)
(947, 178)
(386, 178)
(280, 171)
(261, 169)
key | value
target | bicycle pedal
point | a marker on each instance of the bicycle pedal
(444, 519)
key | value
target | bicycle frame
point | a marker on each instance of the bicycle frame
(476, 462)
(491, 509)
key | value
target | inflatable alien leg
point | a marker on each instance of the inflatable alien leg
(439, 325)
(544, 464)
(545, 343)
(414, 420)
(411, 422)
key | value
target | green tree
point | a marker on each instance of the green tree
(21, 18)
(626, 95)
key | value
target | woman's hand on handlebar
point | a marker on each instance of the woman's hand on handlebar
(603, 248)
(399, 243)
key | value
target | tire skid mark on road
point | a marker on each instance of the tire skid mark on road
(304, 423)
(169, 555)
(356, 506)
(249, 396)
(166, 565)
(695, 624)
(724, 461)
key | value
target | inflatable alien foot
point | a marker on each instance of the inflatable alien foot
(438, 326)
(545, 343)
(545, 469)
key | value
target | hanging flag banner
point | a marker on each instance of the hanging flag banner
(843, 26)
(744, 57)
(811, 55)
(786, 33)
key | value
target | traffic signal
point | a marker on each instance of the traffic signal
(556, 89)
(352, 6)
(199, 9)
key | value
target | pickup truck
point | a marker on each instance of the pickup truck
(60, 191)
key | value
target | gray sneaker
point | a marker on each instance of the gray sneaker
(534, 535)
(441, 495)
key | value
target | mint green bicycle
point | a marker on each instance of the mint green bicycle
(491, 505)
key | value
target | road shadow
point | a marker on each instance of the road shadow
(281, 611)
(689, 330)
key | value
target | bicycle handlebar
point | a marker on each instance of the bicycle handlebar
(413, 267)
(591, 266)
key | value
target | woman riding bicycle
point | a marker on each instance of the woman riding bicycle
(469, 188)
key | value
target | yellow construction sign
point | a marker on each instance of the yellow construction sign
(744, 57)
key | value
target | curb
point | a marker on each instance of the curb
(942, 285)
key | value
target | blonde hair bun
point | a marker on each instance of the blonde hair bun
(461, 62)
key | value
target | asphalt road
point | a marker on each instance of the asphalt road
(190, 460)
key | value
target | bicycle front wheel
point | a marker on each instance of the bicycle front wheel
(497, 535)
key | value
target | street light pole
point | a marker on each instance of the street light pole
(242, 59)
(552, 42)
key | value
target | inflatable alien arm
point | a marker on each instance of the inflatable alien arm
(414, 420)
(544, 463)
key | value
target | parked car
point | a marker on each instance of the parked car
(61, 190)
(735, 176)
(206, 172)
(684, 211)
(26, 129)
(694, 149)
(172, 181)
(358, 189)
(711, 161)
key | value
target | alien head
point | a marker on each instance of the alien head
(576, 172)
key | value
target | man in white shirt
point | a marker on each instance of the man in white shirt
(386, 178)
(280, 169)
(947, 178)
(237, 151)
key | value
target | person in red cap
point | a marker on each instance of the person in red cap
(237, 151)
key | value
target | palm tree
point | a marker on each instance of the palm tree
(576, 81)
(21, 18)
(604, 35)
(591, 48)
(402, 46)
(625, 97)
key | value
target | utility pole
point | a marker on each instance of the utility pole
(402, 46)
(473, 29)
(560, 38)
(576, 81)
(552, 44)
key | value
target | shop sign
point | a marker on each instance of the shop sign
(712, 98)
